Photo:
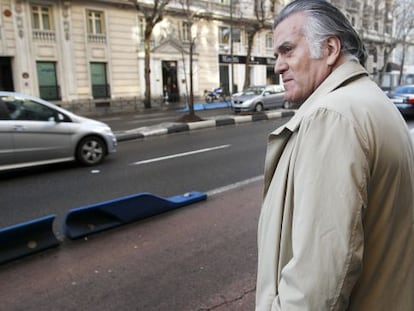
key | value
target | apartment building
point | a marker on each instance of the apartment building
(71, 50)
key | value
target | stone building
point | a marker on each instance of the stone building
(74, 50)
(379, 24)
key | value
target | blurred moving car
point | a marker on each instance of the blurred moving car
(35, 132)
(258, 98)
(403, 97)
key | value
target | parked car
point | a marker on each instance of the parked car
(403, 97)
(259, 98)
(35, 132)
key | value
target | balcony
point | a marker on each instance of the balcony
(44, 35)
(96, 38)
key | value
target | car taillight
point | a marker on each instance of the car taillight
(408, 100)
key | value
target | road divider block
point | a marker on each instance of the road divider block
(27, 238)
(87, 220)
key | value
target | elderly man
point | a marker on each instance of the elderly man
(336, 227)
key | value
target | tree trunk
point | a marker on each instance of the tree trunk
(191, 101)
(250, 41)
(400, 78)
(147, 68)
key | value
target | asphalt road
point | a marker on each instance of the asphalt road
(200, 160)
(200, 257)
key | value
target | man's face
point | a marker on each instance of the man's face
(301, 74)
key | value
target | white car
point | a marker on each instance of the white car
(35, 132)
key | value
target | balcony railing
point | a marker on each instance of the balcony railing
(97, 38)
(44, 35)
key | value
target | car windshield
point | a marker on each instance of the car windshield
(253, 90)
(407, 89)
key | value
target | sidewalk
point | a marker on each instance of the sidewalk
(213, 121)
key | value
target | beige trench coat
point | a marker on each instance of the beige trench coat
(336, 225)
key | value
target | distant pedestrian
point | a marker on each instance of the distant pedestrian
(336, 228)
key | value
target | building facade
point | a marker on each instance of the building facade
(72, 50)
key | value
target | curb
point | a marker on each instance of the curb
(176, 127)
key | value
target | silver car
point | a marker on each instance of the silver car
(259, 98)
(35, 132)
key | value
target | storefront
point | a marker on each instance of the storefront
(236, 74)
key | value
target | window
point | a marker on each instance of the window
(186, 32)
(46, 74)
(269, 41)
(141, 29)
(95, 23)
(96, 27)
(224, 35)
(21, 109)
(100, 87)
(373, 52)
(42, 23)
(236, 34)
(42, 18)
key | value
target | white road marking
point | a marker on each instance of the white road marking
(177, 155)
(234, 186)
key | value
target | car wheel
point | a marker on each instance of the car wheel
(258, 108)
(91, 150)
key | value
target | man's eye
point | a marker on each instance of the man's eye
(286, 49)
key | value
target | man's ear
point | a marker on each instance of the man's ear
(333, 45)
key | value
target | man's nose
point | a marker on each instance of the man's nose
(280, 65)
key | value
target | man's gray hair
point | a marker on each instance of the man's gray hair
(325, 20)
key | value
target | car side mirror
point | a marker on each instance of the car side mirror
(58, 117)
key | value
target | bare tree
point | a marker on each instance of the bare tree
(190, 15)
(405, 24)
(398, 22)
(263, 10)
(153, 14)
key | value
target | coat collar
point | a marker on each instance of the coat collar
(347, 71)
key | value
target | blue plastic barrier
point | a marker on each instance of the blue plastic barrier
(27, 238)
(206, 106)
(94, 218)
